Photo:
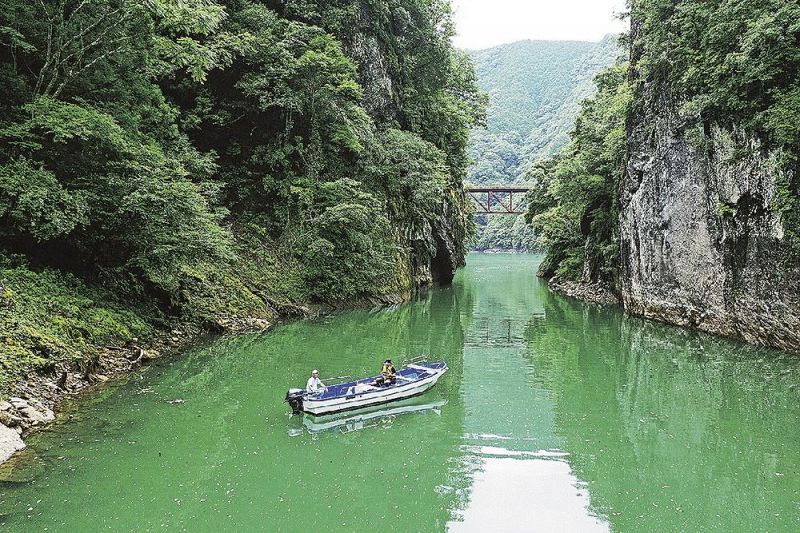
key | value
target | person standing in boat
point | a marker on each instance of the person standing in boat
(388, 374)
(314, 385)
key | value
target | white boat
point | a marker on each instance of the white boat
(412, 380)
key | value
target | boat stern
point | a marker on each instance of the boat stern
(294, 397)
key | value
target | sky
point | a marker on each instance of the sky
(487, 23)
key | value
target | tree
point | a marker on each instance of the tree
(573, 205)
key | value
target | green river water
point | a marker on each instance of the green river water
(554, 416)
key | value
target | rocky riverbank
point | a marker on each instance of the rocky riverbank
(35, 401)
(588, 292)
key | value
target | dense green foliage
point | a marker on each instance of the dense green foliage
(197, 158)
(573, 204)
(735, 65)
(736, 62)
(49, 316)
(506, 233)
(536, 88)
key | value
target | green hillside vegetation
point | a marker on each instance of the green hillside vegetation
(535, 90)
(731, 64)
(505, 232)
(188, 160)
(527, 82)
(551, 134)
(573, 204)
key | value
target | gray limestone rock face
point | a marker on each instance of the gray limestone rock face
(373, 75)
(10, 443)
(32, 410)
(701, 243)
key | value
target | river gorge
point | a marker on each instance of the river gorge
(555, 414)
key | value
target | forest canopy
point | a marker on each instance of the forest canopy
(535, 90)
(196, 158)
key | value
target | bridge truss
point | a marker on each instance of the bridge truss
(499, 200)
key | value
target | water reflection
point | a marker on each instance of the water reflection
(379, 416)
(559, 416)
(674, 430)
(645, 427)
(512, 494)
(519, 477)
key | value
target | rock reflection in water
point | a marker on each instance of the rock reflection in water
(675, 430)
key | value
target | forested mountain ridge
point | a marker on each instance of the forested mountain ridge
(679, 193)
(200, 160)
(535, 90)
(551, 133)
(526, 75)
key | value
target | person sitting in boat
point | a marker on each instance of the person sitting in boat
(388, 374)
(314, 385)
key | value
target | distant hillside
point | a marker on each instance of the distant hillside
(536, 88)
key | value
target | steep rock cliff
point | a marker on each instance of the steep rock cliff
(701, 242)
(679, 195)
(379, 50)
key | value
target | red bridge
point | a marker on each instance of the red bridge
(498, 200)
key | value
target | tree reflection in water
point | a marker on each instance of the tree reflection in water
(672, 429)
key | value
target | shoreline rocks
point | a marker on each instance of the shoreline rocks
(696, 319)
(10, 442)
(35, 402)
(29, 413)
(587, 292)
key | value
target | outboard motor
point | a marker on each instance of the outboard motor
(295, 399)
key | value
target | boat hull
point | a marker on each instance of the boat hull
(381, 395)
